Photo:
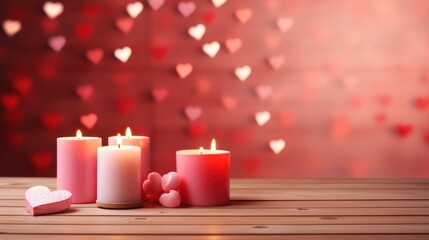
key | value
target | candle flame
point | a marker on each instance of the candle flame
(119, 140)
(213, 146)
(79, 134)
(201, 150)
(128, 132)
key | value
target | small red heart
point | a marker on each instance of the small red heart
(152, 186)
(89, 120)
(287, 118)
(48, 25)
(95, 55)
(125, 105)
(197, 129)
(15, 139)
(91, 10)
(233, 44)
(41, 160)
(85, 91)
(159, 52)
(243, 14)
(125, 24)
(380, 117)
(51, 120)
(208, 16)
(228, 102)
(159, 94)
(22, 84)
(403, 129)
(83, 30)
(203, 86)
(422, 103)
(10, 100)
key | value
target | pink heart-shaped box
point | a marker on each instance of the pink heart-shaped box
(171, 199)
(152, 186)
(39, 200)
(170, 181)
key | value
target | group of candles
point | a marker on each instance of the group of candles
(112, 176)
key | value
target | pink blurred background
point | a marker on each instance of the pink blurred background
(345, 83)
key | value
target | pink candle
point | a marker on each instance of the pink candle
(139, 141)
(204, 176)
(77, 167)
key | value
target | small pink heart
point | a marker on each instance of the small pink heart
(159, 93)
(170, 181)
(95, 55)
(53, 9)
(276, 61)
(284, 24)
(89, 120)
(85, 91)
(171, 199)
(243, 72)
(193, 113)
(186, 8)
(125, 24)
(134, 9)
(39, 200)
(233, 44)
(272, 41)
(263, 91)
(57, 43)
(243, 14)
(228, 102)
(203, 86)
(155, 4)
(11, 27)
(184, 69)
(152, 186)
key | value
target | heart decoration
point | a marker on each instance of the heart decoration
(171, 199)
(11, 27)
(218, 3)
(193, 112)
(184, 69)
(196, 130)
(89, 120)
(83, 30)
(51, 120)
(10, 100)
(197, 31)
(211, 49)
(287, 118)
(57, 43)
(284, 24)
(134, 9)
(53, 9)
(272, 40)
(186, 8)
(41, 160)
(208, 16)
(123, 54)
(243, 72)
(403, 129)
(125, 105)
(95, 55)
(39, 200)
(262, 117)
(263, 91)
(229, 102)
(422, 103)
(170, 181)
(152, 186)
(22, 84)
(155, 4)
(125, 24)
(159, 52)
(203, 86)
(276, 61)
(243, 14)
(85, 91)
(159, 94)
(233, 44)
(277, 145)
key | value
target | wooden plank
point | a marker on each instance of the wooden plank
(192, 220)
(217, 237)
(229, 211)
(275, 204)
(215, 229)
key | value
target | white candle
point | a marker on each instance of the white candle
(119, 176)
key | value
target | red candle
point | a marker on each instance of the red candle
(204, 176)
(77, 166)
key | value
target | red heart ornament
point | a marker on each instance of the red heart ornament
(152, 186)
(193, 112)
(208, 16)
(170, 181)
(10, 100)
(89, 120)
(125, 105)
(403, 129)
(125, 24)
(233, 44)
(184, 69)
(22, 84)
(155, 4)
(83, 30)
(85, 91)
(197, 129)
(229, 102)
(51, 120)
(171, 199)
(39, 200)
(159, 52)
(422, 103)
(243, 14)
(159, 94)
(186, 8)
(41, 160)
(95, 55)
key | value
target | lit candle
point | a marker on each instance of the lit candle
(204, 176)
(139, 141)
(119, 176)
(77, 166)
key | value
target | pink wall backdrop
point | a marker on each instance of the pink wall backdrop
(344, 83)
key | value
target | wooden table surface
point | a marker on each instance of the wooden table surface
(280, 208)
